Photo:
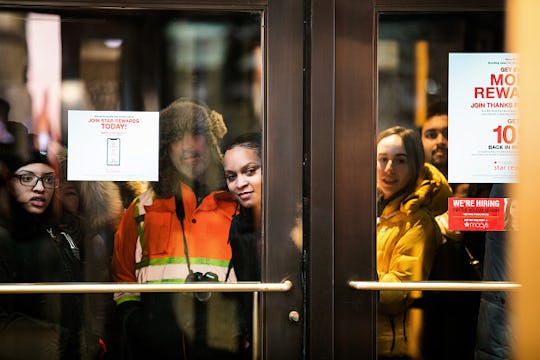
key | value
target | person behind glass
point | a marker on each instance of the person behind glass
(435, 136)
(177, 231)
(40, 254)
(496, 337)
(242, 164)
(434, 133)
(243, 174)
(90, 212)
(15, 326)
(410, 193)
(449, 317)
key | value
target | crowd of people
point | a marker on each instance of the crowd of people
(414, 243)
(177, 229)
(201, 221)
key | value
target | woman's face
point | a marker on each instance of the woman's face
(393, 173)
(33, 187)
(243, 174)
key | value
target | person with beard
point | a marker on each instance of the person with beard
(434, 132)
(449, 317)
(35, 252)
(177, 231)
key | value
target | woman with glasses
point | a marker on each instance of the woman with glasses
(44, 324)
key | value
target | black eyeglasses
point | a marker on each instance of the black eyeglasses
(200, 277)
(31, 180)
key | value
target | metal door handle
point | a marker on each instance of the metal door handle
(21, 288)
(436, 285)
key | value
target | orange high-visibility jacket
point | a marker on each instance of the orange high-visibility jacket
(149, 244)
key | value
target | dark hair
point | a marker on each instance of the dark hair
(13, 163)
(436, 108)
(415, 152)
(188, 117)
(251, 140)
(4, 109)
(16, 216)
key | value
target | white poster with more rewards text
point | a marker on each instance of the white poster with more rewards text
(483, 125)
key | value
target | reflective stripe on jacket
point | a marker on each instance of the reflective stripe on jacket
(149, 245)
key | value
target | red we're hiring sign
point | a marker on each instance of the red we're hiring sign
(476, 214)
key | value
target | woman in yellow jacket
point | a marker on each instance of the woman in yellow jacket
(410, 193)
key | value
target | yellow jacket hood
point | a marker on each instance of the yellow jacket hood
(432, 192)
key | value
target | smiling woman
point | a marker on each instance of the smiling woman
(242, 164)
(59, 62)
(243, 174)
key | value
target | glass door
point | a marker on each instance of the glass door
(413, 82)
(363, 92)
(316, 79)
(116, 102)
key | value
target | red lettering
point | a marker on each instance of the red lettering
(478, 92)
(510, 79)
(496, 79)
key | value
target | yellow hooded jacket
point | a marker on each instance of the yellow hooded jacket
(407, 237)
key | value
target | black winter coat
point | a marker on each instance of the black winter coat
(34, 253)
(245, 243)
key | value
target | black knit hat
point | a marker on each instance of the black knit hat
(15, 162)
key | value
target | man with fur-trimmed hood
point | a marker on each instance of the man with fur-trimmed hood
(176, 232)
(189, 149)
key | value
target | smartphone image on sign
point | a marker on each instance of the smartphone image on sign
(113, 151)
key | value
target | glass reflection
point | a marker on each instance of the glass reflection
(202, 73)
(412, 93)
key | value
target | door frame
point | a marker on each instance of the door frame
(283, 77)
(343, 119)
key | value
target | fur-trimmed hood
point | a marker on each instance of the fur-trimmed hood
(180, 118)
(432, 192)
(101, 204)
